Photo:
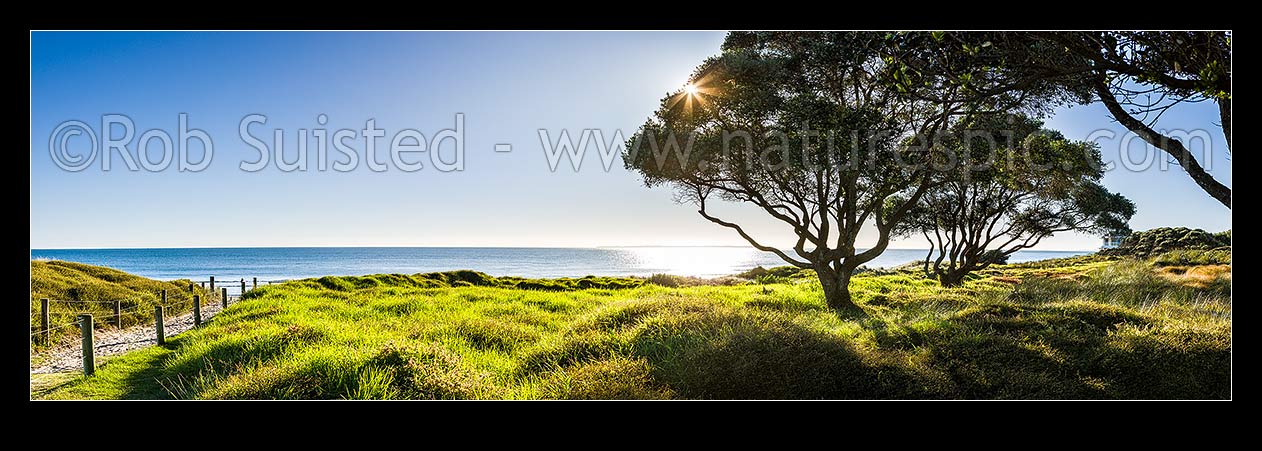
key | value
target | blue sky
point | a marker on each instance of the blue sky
(507, 86)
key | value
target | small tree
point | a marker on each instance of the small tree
(806, 127)
(1015, 185)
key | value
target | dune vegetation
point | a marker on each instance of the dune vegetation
(1154, 242)
(74, 288)
(1087, 327)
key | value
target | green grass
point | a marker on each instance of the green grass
(466, 278)
(75, 288)
(1193, 257)
(1087, 329)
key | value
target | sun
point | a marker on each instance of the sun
(691, 93)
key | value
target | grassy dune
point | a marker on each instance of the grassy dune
(75, 288)
(1078, 328)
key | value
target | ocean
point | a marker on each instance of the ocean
(279, 263)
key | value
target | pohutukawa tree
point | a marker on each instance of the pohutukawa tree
(806, 127)
(1138, 76)
(1013, 184)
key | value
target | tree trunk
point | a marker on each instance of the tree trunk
(952, 278)
(836, 290)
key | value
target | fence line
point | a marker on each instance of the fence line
(124, 312)
(72, 323)
(169, 306)
(94, 302)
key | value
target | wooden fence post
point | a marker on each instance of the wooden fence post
(256, 284)
(225, 297)
(89, 359)
(212, 283)
(243, 285)
(118, 314)
(157, 318)
(43, 320)
(197, 310)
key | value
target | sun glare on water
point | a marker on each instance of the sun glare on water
(693, 261)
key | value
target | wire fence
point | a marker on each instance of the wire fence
(237, 286)
(54, 322)
(121, 329)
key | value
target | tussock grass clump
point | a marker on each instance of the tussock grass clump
(785, 272)
(1217, 277)
(466, 278)
(769, 279)
(615, 377)
(672, 281)
(1176, 361)
(727, 354)
(665, 280)
(573, 348)
(486, 333)
(420, 372)
(570, 284)
(1063, 262)
(1192, 257)
(70, 281)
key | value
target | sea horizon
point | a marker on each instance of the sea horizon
(296, 262)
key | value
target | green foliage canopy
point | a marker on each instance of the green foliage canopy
(1014, 184)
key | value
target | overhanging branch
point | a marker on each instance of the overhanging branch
(751, 240)
(1167, 144)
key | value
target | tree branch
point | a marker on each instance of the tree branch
(1171, 146)
(752, 242)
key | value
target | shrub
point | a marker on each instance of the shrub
(672, 281)
(541, 285)
(665, 280)
(1163, 239)
(768, 279)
